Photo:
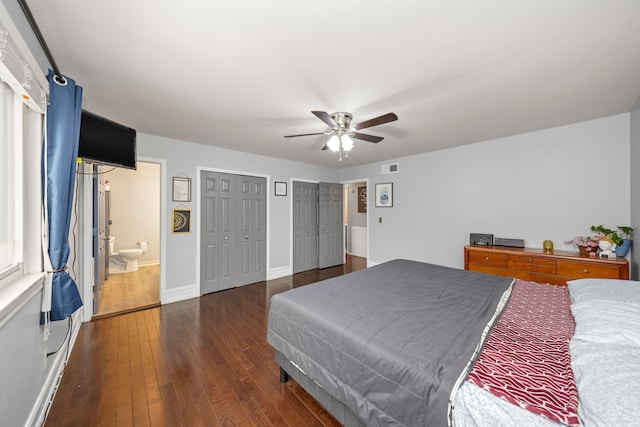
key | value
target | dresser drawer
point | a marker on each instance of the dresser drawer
(522, 275)
(582, 270)
(488, 259)
(533, 264)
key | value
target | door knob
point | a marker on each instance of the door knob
(246, 237)
(226, 237)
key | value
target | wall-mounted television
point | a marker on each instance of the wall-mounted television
(104, 141)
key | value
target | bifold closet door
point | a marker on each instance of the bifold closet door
(331, 236)
(305, 226)
(233, 231)
(252, 233)
(218, 234)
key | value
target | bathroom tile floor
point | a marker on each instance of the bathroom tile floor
(125, 292)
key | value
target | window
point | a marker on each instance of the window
(10, 194)
(22, 105)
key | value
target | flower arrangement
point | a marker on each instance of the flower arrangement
(589, 243)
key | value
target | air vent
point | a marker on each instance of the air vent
(390, 168)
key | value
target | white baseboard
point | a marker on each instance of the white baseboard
(371, 263)
(50, 387)
(278, 272)
(182, 293)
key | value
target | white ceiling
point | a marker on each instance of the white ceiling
(242, 74)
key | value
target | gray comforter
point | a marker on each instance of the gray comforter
(390, 341)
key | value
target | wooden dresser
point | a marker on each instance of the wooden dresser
(533, 264)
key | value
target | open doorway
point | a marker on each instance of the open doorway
(126, 238)
(355, 218)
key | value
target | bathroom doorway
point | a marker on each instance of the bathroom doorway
(355, 218)
(127, 231)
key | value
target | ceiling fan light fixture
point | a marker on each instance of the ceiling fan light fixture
(343, 133)
(334, 143)
(347, 142)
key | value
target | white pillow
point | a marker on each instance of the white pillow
(607, 322)
(604, 289)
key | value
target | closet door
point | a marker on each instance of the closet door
(305, 226)
(217, 232)
(331, 228)
(228, 231)
(252, 233)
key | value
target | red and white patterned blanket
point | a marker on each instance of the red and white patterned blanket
(526, 358)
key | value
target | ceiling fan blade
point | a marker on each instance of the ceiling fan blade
(385, 118)
(325, 117)
(366, 137)
(304, 134)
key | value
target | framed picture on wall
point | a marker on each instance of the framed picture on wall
(281, 188)
(181, 221)
(384, 195)
(181, 189)
(362, 199)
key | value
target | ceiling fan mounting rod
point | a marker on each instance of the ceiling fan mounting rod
(343, 120)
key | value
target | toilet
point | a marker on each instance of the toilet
(125, 260)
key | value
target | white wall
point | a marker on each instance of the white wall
(184, 158)
(634, 160)
(552, 184)
(135, 203)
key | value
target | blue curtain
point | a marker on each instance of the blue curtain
(60, 152)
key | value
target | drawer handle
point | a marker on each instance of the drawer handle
(585, 271)
(486, 258)
(530, 261)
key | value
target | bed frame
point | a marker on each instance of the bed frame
(336, 408)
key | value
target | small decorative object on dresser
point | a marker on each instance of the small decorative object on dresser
(537, 266)
(607, 248)
(547, 245)
(621, 238)
(481, 239)
(587, 246)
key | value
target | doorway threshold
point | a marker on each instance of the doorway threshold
(127, 311)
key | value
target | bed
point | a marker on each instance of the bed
(413, 344)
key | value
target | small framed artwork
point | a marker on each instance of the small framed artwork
(181, 189)
(362, 199)
(384, 195)
(181, 220)
(281, 188)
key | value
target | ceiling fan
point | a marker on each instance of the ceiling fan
(342, 131)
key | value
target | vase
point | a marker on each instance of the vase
(623, 248)
(584, 252)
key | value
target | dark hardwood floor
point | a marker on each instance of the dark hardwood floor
(199, 362)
